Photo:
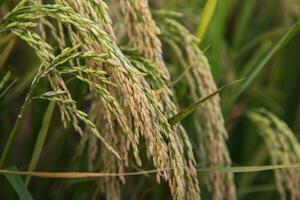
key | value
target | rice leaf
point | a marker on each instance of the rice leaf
(17, 183)
(283, 40)
(4, 79)
(249, 169)
(76, 175)
(208, 12)
(187, 111)
(41, 139)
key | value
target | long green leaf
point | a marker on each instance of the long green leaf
(187, 111)
(41, 139)
(4, 80)
(9, 142)
(208, 12)
(76, 175)
(283, 40)
(248, 169)
(18, 185)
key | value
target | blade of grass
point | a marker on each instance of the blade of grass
(283, 40)
(21, 84)
(187, 111)
(206, 16)
(249, 169)
(41, 139)
(17, 183)
(172, 84)
(7, 88)
(77, 175)
(4, 79)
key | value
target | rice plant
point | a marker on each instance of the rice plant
(137, 99)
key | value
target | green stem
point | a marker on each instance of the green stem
(41, 139)
(14, 131)
(12, 136)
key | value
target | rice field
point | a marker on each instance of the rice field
(138, 99)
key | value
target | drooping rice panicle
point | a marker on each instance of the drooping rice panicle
(213, 132)
(283, 148)
(143, 35)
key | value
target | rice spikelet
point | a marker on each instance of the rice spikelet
(143, 32)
